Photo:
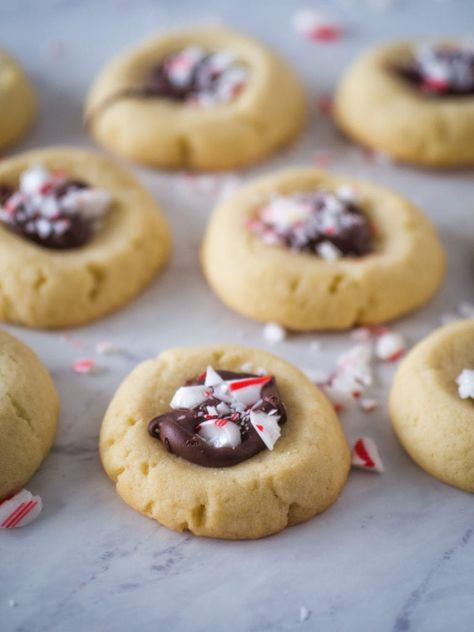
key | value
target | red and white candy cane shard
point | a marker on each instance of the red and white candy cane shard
(365, 455)
(247, 391)
(220, 433)
(390, 346)
(190, 396)
(84, 366)
(19, 510)
(368, 404)
(212, 377)
(267, 427)
(316, 27)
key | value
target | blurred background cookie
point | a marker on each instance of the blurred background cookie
(204, 98)
(17, 101)
(29, 408)
(310, 250)
(412, 100)
(432, 404)
(79, 237)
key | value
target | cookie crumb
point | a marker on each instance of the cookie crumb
(274, 333)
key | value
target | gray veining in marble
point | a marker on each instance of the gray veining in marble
(396, 552)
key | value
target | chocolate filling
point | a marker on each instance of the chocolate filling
(440, 71)
(331, 219)
(63, 231)
(189, 75)
(177, 429)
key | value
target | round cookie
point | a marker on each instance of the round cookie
(130, 112)
(300, 477)
(302, 291)
(434, 424)
(384, 103)
(17, 101)
(61, 286)
(28, 414)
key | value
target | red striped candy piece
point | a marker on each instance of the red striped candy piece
(247, 391)
(365, 455)
(19, 510)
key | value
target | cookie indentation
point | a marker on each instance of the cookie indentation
(440, 70)
(221, 418)
(52, 210)
(329, 225)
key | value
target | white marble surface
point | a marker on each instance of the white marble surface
(396, 552)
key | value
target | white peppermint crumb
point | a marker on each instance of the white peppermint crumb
(108, 348)
(315, 346)
(12, 603)
(447, 319)
(261, 371)
(317, 376)
(246, 367)
(389, 346)
(368, 404)
(466, 309)
(465, 382)
(328, 251)
(274, 333)
(304, 614)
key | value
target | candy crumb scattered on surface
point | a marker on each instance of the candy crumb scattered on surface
(390, 346)
(274, 333)
(316, 27)
(19, 510)
(106, 347)
(85, 366)
(365, 455)
(368, 404)
(304, 614)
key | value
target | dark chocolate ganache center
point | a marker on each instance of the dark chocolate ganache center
(330, 225)
(196, 76)
(52, 210)
(443, 70)
(221, 418)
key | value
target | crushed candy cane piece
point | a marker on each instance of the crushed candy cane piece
(212, 377)
(274, 333)
(247, 391)
(304, 614)
(466, 309)
(357, 363)
(325, 105)
(328, 251)
(316, 27)
(19, 510)
(465, 382)
(368, 404)
(390, 346)
(365, 455)
(189, 396)
(266, 426)
(220, 433)
(108, 348)
(84, 366)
